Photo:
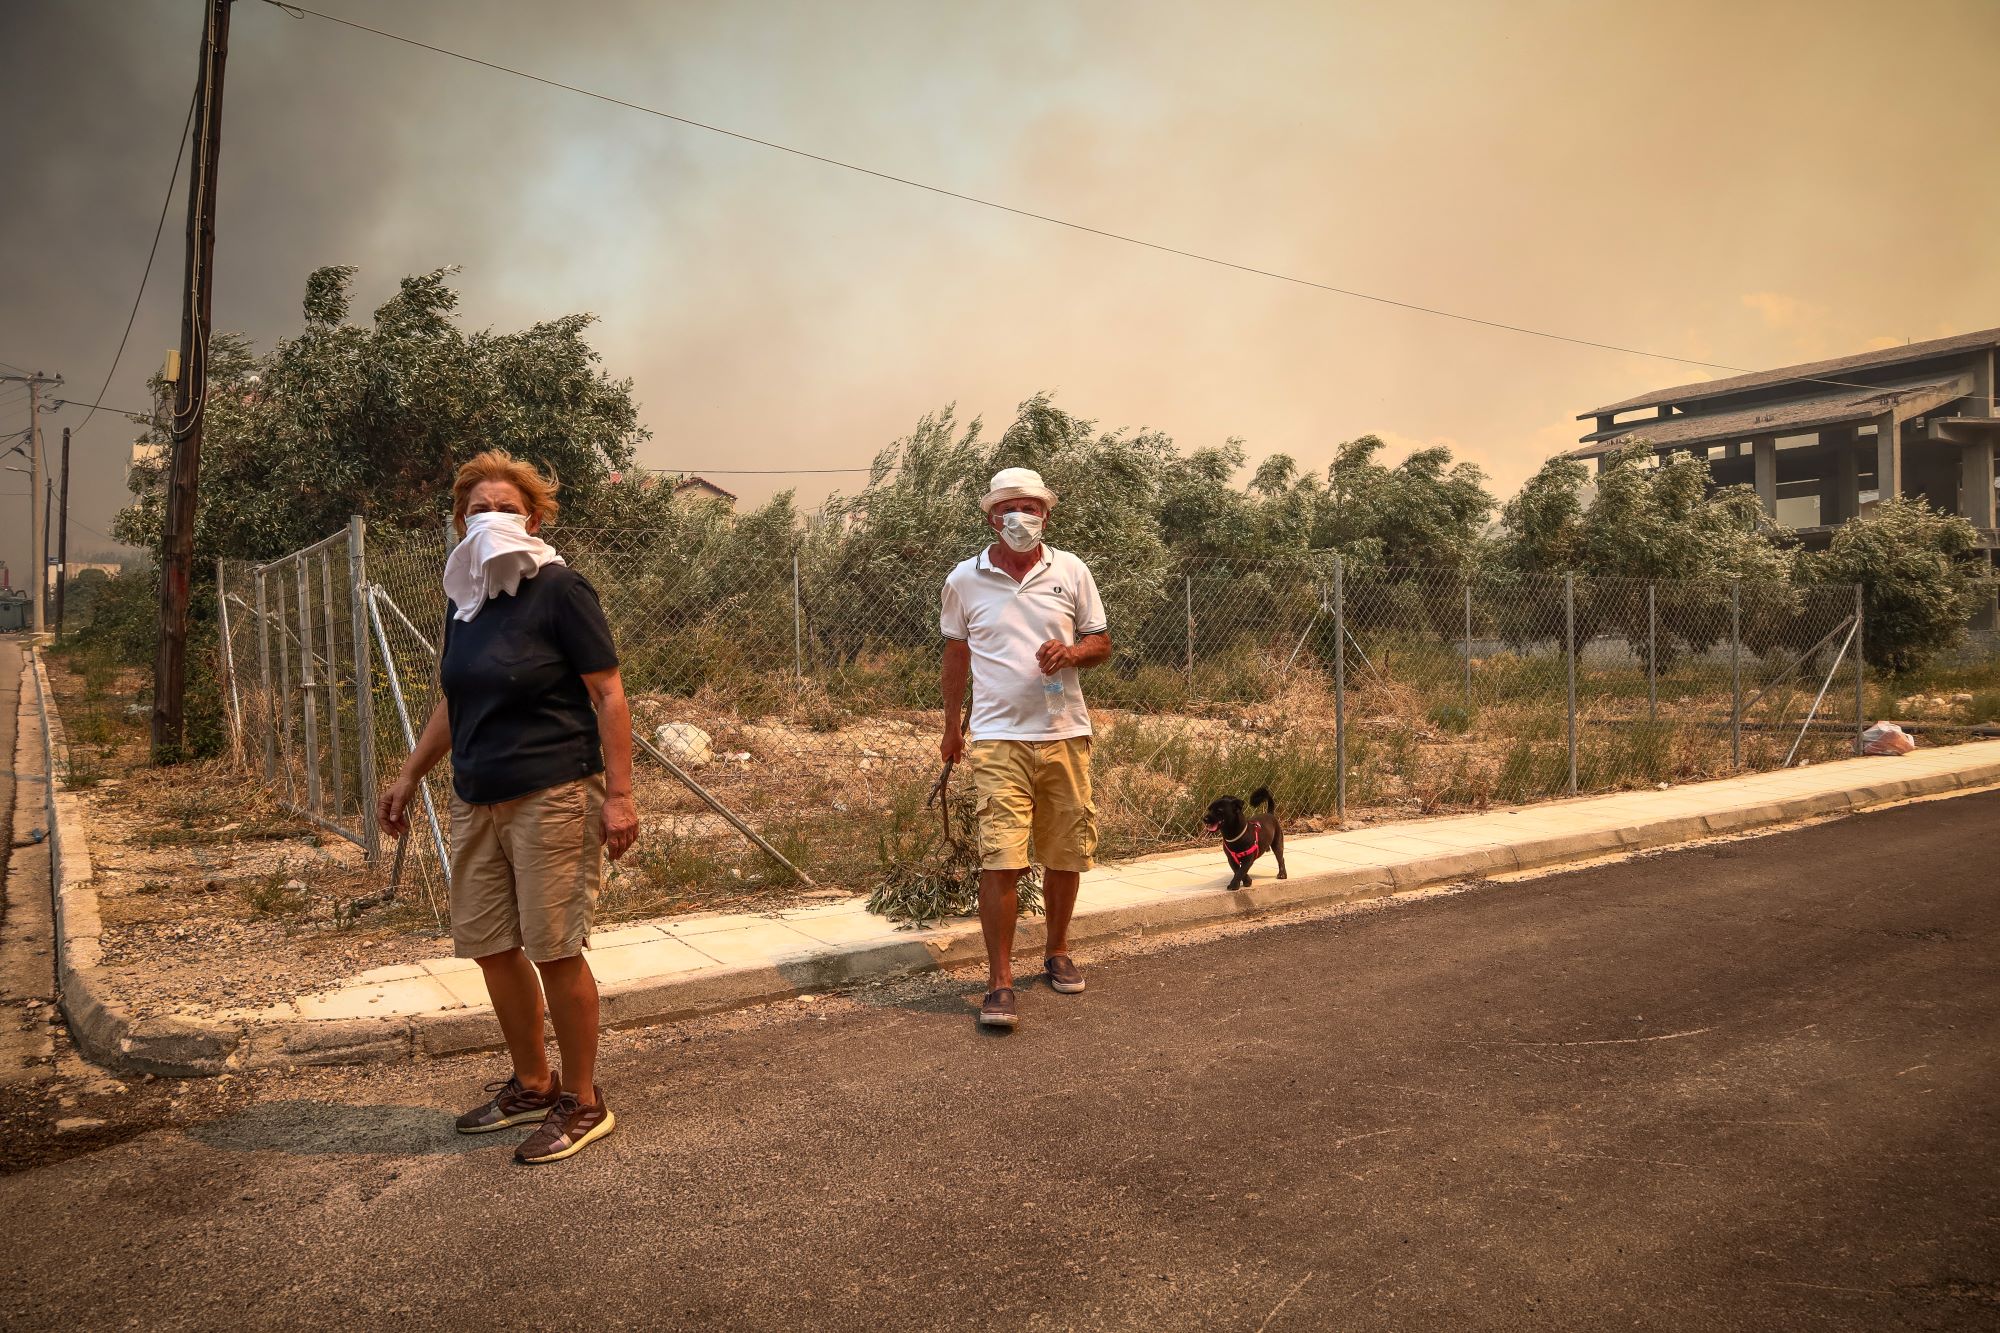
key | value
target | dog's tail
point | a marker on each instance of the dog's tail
(1262, 796)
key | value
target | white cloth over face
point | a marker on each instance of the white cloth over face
(497, 553)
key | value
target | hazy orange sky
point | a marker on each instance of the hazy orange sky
(1750, 183)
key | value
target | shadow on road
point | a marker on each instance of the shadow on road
(309, 1127)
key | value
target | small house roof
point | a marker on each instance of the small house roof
(691, 482)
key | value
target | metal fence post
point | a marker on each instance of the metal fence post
(1860, 676)
(1468, 647)
(1569, 661)
(264, 681)
(282, 695)
(798, 625)
(1187, 584)
(337, 764)
(1339, 696)
(364, 685)
(232, 697)
(1735, 673)
(308, 682)
(1652, 654)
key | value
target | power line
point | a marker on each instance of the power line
(300, 11)
(159, 229)
(761, 471)
(71, 402)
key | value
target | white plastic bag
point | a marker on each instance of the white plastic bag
(1887, 738)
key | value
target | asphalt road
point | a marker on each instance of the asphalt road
(1748, 1085)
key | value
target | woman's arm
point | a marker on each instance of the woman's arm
(433, 745)
(614, 732)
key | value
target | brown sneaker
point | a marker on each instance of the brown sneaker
(997, 1009)
(512, 1104)
(570, 1127)
(1064, 974)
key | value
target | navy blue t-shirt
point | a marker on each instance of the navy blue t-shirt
(521, 718)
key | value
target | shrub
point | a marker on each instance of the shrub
(1913, 565)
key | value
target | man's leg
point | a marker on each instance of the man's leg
(1058, 903)
(517, 1003)
(999, 904)
(572, 992)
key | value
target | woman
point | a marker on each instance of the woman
(534, 717)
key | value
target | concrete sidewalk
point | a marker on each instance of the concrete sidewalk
(680, 967)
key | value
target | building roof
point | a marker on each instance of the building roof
(691, 483)
(1793, 416)
(1836, 368)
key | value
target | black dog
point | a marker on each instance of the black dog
(1245, 837)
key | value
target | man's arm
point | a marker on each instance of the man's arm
(614, 733)
(1086, 652)
(957, 668)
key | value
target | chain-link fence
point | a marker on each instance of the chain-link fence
(786, 702)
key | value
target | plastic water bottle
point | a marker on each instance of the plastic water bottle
(1054, 695)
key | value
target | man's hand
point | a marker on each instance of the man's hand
(392, 808)
(621, 825)
(1053, 656)
(952, 747)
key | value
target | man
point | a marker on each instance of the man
(1024, 619)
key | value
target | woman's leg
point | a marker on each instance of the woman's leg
(572, 992)
(517, 1003)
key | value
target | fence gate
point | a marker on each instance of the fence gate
(299, 678)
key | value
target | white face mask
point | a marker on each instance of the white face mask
(1022, 532)
(490, 519)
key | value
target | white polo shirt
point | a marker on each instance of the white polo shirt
(1005, 623)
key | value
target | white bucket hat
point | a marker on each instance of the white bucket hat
(1014, 483)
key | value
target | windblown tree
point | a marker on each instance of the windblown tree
(374, 419)
(1648, 521)
(1916, 567)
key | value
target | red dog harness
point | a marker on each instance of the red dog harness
(1248, 854)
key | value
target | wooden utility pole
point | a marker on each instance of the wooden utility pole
(37, 581)
(62, 536)
(190, 395)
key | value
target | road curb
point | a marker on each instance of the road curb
(190, 1046)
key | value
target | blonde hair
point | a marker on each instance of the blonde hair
(538, 489)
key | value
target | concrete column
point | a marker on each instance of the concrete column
(1764, 457)
(1975, 483)
(1888, 456)
(1733, 450)
(1840, 476)
(1983, 388)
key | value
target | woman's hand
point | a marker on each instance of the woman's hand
(621, 825)
(392, 809)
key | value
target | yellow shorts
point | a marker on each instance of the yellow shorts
(1041, 787)
(525, 873)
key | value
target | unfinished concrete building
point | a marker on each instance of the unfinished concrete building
(1822, 442)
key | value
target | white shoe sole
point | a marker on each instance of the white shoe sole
(998, 1020)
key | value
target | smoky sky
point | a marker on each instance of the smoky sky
(1751, 184)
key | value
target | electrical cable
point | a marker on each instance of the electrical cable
(159, 229)
(71, 402)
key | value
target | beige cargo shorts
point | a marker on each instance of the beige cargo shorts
(1038, 788)
(525, 873)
